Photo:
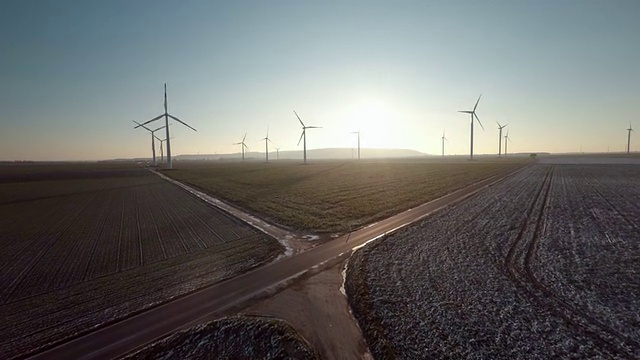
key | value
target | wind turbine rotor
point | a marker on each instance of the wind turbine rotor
(182, 122)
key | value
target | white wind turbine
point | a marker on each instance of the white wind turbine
(473, 113)
(304, 135)
(506, 142)
(500, 127)
(266, 145)
(153, 143)
(277, 153)
(243, 145)
(166, 116)
(357, 132)
(443, 140)
(629, 130)
(161, 152)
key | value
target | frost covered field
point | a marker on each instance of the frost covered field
(543, 265)
(236, 337)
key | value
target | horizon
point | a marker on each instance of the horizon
(75, 75)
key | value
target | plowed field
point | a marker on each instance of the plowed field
(84, 245)
(543, 265)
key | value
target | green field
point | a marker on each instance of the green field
(332, 196)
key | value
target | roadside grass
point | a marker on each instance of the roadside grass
(334, 196)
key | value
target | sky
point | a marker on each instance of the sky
(565, 75)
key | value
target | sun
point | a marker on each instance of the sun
(374, 119)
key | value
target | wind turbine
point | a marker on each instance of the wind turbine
(443, 139)
(500, 127)
(629, 130)
(304, 135)
(357, 132)
(473, 113)
(266, 144)
(153, 143)
(277, 153)
(506, 141)
(161, 152)
(166, 116)
(243, 145)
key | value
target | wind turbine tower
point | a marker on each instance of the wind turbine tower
(153, 143)
(358, 132)
(242, 145)
(304, 135)
(629, 130)
(166, 116)
(473, 113)
(443, 140)
(500, 127)
(266, 144)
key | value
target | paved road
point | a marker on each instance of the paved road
(130, 333)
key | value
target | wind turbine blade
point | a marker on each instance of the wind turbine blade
(505, 125)
(269, 140)
(246, 147)
(314, 127)
(301, 135)
(154, 119)
(474, 108)
(140, 125)
(182, 122)
(160, 128)
(298, 118)
(466, 112)
(244, 137)
(267, 132)
(479, 122)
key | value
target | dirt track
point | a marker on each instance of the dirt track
(317, 309)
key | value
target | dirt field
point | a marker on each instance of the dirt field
(543, 265)
(83, 245)
(331, 196)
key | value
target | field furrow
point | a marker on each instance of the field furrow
(37, 263)
(516, 282)
(93, 249)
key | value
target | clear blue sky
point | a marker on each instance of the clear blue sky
(73, 74)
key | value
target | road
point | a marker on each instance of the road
(123, 336)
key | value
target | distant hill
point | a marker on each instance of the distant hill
(317, 154)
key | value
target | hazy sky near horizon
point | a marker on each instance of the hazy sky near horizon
(565, 75)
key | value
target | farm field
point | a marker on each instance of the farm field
(543, 265)
(334, 196)
(235, 337)
(85, 244)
